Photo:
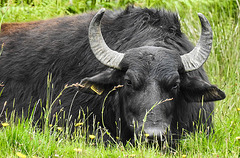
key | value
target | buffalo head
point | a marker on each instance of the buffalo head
(155, 79)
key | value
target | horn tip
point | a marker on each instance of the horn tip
(98, 16)
(204, 21)
(101, 11)
(201, 16)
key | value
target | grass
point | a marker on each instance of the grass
(223, 68)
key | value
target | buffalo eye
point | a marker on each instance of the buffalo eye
(175, 86)
(128, 82)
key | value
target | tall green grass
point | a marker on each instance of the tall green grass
(223, 68)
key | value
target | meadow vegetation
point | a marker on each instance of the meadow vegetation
(20, 138)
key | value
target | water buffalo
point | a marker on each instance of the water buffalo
(162, 88)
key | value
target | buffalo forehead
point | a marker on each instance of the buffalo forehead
(153, 59)
(152, 64)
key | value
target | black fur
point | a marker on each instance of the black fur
(153, 42)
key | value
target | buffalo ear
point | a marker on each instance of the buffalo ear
(197, 90)
(98, 83)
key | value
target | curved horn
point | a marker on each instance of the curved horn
(100, 49)
(198, 56)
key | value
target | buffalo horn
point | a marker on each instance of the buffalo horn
(100, 49)
(198, 56)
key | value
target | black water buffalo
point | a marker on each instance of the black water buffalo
(162, 87)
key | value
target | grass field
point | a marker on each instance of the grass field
(223, 68)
